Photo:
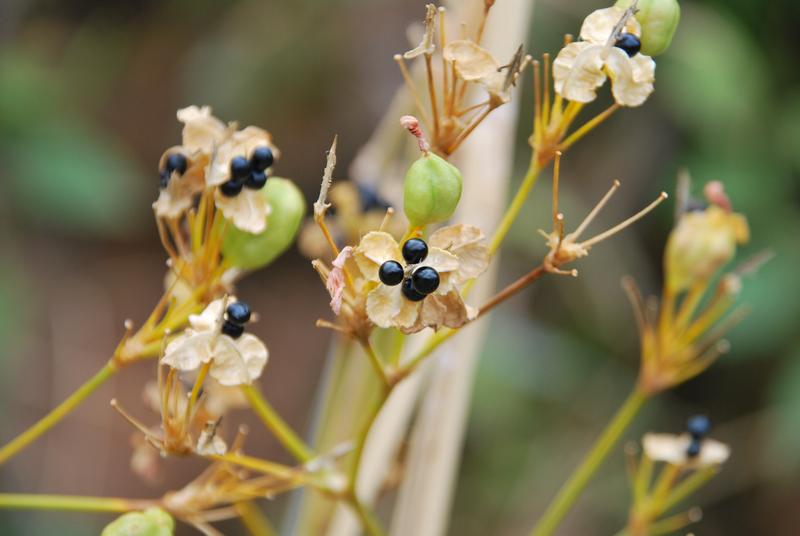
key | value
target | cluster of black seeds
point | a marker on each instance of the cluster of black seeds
(237, 315)
(175, 162)
(698, 427)
(250, 173)
(629, 43)
(422, 281)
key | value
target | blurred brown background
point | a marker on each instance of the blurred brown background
(88, 93)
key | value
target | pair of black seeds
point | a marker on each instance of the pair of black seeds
(176, 162)
(250, 173)
(237, 315)
(629, 43)
(423, 281)
(698, 427)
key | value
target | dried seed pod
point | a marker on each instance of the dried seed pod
(251, 251)
(659, 20)
(432, 190)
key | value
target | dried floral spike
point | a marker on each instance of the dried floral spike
(321, 204)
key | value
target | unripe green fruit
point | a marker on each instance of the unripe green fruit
(431, 190)
(251, 251)
(151, 522)
(659, 20)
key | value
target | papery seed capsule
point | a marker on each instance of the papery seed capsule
(629, 44)
(261, 158)
(391, 273)
(249, 251)
(231, 188)
(232, 330)
(176, 162)
(698, 426)
(256, 180)
(425, 280)
(238, 312)
(659, 19)
(240, 167)
(415, 250)
(409, 292)
(431, 190)
(694, 448)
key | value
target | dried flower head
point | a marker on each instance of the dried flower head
(417, 286)
(216, 340)
(451, 116)
(609, 49)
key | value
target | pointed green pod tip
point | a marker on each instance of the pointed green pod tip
(252, 251)
(659, 20)
(151, 522)
(431, 190)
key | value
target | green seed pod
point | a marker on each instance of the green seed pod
(431, 191)
(151, 522)
(251, 251)
(659, 20)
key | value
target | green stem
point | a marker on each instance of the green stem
(58, 413)
(288, 438)
(573, 487)
(254, 520)
(516, 204)
(72, 503)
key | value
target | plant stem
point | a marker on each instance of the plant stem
(573, 487)
(27, 437)
(288, 438)
(516, 204)
(72, 503)
(367, 518)
(254, 519)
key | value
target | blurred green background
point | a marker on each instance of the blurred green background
(88, 93)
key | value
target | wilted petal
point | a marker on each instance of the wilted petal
(211, 318)
(239, 361)
(201, 130)
(188, 351)
(446, 310)
(442, 261)
(219, 399)
(631, 78)
(597, 27)
(336, 280)
(578, 71)
(465, 242)
(374, 249)
(471, 61)
(210, 444)
(248, 210)
(384, 304)
(408, 316)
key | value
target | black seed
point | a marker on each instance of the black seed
(261, 158)
(231, 188)
(240, 167)
(415, 250)
(176, 162)
(391, 273)
(698, 426)
(256, 180)
(238, 312)
(409, 292)
(629, 43)
(694, 448)
(425, 280)
(232, 330)
(370, 199)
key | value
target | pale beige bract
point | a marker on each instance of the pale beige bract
(673, 449)
(582, 67)
(233, 361)
(474, 63)
(387, 307)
